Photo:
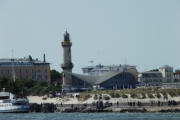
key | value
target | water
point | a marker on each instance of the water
(91, 116)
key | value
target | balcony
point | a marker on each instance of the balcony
(67, 66)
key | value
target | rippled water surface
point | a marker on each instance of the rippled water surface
(91, 116)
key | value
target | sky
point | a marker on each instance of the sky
(145, 33)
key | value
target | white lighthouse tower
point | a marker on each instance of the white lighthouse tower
(67, 63)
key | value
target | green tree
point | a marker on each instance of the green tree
(56, 76)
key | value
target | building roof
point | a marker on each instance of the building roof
(108, 66)
(151, 72)
(165, 66)
(177, 73)
(99, 79)
(21, 61)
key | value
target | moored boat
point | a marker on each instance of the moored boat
(10, 104)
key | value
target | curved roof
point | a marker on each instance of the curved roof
(100, 79)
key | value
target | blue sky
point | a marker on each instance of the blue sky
(145, 33)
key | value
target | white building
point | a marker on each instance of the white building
(177, 77)
(167, 73)
(150, 79)
(102, 69)
(175, 85)
(157, 78)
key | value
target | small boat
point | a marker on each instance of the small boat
(9, 103)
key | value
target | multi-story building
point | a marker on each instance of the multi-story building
(25, 68)
(157, 78)
(167, 73)
(150, 79)
(102, 69)
(177, 77)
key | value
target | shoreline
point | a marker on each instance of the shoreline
(67, 108)
(143, 109)
(69, 104)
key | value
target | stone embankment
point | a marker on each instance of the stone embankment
(45, 107)
(170, 106)
(117, 108)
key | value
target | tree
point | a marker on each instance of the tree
(56, 76)
(6, 83)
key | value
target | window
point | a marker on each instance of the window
(26, 76)
(26, 71)
(46, 77)
(2, 72)
(8, 72)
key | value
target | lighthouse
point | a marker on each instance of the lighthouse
(67, 64)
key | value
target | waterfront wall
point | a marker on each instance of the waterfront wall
(169, 106)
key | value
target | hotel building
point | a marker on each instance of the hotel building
(25, 68)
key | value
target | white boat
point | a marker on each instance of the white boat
(9, 103)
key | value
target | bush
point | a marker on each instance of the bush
(134, 95)
(178, 92)
(172, 93)
(112, 94)
(124, 96)
(95, 97)
(165, 95)
(158, 95)
(84, 96)
(143, 96)
(151, 96)
(105, 97)
(117, 95)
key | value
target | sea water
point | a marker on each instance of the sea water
(90, 116)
